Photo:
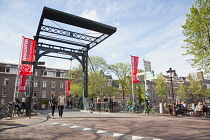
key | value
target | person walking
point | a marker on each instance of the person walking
(68, 104)
(23, 103)
(53, 104)
(71, 104)
(61, 104)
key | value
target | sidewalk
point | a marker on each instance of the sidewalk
(21, 121)
(77, 124)
(144, 114)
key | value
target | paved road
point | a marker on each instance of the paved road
(78, 125)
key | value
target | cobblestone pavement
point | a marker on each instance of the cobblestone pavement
(77, 125)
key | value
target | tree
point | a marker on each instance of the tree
(197, 32)
(123, 72)
(207, 93)
(76, 89)
(141, 94)
(197, 88)
(77, 82)
(98, 63)
(182, 92)
(161, 86)
(97, 79)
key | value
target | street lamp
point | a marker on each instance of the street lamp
(171, 73)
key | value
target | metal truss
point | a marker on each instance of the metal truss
(98, 40)
(62, 40)
(67, 33)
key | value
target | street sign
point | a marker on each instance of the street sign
(27, 62)
(147, 65)
(40, 63)
(40, 67)
(33, 63)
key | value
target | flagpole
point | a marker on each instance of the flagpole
(18, 70)
(132, 81)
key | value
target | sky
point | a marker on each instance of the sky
(149, 29)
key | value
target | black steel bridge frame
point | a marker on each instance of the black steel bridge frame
(73, 38)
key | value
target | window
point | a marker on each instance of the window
(63, 74)
(4, 93)
(44, 84)
(34, 94)
(43, 94)
(7, 70)
(6, 81)
(51, 74)
(36, 73)
(11, 70)
(35, 84)
(44, 73)
(61, 85)
(53, 84)
(28, 82)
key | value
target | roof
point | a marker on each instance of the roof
(70, 19)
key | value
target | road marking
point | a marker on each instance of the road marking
(55, 123)
(86, 129)
(137, 138)
(102, 132)
(75, 126)
(117, 135)
(64, 124)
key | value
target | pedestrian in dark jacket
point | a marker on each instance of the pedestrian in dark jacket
(53, 104)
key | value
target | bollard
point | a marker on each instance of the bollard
(161, 107)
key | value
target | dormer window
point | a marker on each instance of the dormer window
(49, 73)
(10, 69)
(63, 74)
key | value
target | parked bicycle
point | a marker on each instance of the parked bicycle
(6, 110)
(132, 107)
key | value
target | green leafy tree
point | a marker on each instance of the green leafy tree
(198, 88)
(97, 79)
(77, 89)
(141, 94)
(197, 32)
(98, 63)
(77, 81)
(161, 86)
(207, 93)
(123, 72)
(182, 92)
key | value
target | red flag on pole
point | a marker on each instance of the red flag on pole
(22, 83)
(28, 53)
(134, 64)
(68, 89)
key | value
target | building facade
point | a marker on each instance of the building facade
(46, 82)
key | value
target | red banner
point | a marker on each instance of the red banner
(68, 89)
(22, 83)
(134, 64)
(28, 53)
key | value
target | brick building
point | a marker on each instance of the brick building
(46, 82)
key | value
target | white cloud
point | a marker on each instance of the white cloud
(91, 14)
